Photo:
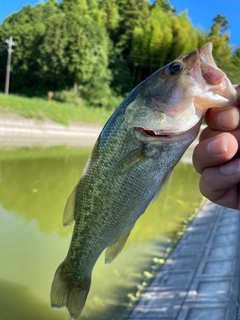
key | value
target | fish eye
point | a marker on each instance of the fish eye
(174, 68)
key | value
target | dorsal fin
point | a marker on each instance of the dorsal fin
(68, 214)
(113, 250)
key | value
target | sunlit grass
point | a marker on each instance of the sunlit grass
(59, 112)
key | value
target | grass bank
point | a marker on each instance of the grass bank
(59, 112)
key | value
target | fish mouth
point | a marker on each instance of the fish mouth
(156, 135)
(216, 80)
(210, 71)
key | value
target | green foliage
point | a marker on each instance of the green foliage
(74, 49)
(133, 13)
(57, 47)
(164, 4)
(185, 37)
(87, 49)
(68, 96)
(151, 44)
(226, 58)
(231, 67)
(76, 6)
(220, 40)
(102, 48)
(110, 14)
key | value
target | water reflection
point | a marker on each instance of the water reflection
(34, 186)
(37, 188)
(15, 300)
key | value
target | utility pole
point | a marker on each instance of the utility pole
(10, 44)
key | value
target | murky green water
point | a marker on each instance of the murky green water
(34, 186)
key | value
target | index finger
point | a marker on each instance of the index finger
(214, 151)
(225, 119)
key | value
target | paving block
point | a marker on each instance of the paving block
(181, 262)
(226, 238)
(201, 278)
(213, 290)
(208, 311)
(215, 268)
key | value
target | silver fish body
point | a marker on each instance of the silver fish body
(131, 162)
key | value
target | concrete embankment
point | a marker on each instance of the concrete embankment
(19, 132)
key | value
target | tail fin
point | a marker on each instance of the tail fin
(65, 293)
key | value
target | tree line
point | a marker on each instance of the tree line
(101, 49)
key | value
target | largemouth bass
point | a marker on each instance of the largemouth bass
(131, 162)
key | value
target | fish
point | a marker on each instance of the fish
(131, 162)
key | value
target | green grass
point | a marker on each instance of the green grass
(59, 112)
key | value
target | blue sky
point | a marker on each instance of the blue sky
(201, 12)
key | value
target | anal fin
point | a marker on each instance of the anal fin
(113, 250)
(68, 215)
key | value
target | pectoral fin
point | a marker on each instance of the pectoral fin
(68, 215)
(113, 250)
(132, 159)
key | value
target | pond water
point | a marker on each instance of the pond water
(34, 187)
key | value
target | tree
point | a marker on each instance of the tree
(222, 22)
(152, 42)
(133, 13)
(231, 66)
(164, 5)
(92, 44)
(185, 37)
(57, 47)
(79, 7)
(110, 15)
(162, 39)
(235, 61)
(52, 59)
(93, 10)
(86, 50)
(52, 2)
(27, 28)
(220, 39)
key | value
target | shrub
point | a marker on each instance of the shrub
(68, 96)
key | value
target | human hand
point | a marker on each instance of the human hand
(217, 156)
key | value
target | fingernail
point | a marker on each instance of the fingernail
(230, 168)
(228, 118)
(219, 144)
